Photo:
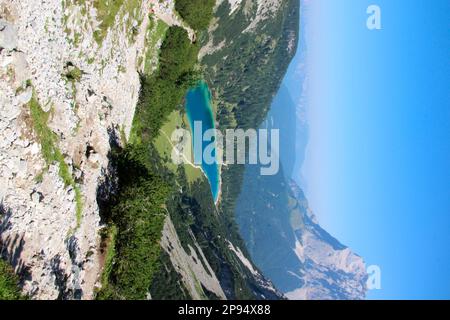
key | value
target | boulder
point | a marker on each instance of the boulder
(22, 71)
(25, 96)
(8, 36)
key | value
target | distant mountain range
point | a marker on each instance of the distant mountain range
(281, 232)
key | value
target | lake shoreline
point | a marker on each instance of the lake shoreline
(198, 105)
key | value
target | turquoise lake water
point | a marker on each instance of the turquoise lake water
(199, 108)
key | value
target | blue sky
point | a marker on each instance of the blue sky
(377, 167)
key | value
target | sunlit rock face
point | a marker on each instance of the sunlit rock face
(329, 269)
(288, 245)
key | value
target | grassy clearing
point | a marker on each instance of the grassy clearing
(192, 173)
(164, 147)
(51, 153)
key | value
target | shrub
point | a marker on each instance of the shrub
(197, 13)
(9, 283)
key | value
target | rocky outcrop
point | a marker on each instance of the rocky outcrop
(48, 52)
(8, 37)
(195, 271)
(329, 269)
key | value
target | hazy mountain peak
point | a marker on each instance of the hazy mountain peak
(329, 270)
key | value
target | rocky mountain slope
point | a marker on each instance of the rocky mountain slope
(308, 263)
(329, 269)
(50, 59)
